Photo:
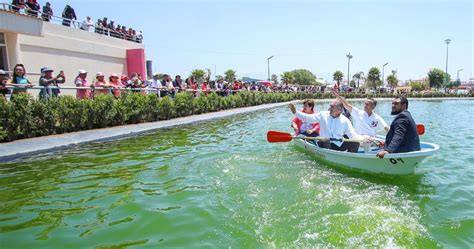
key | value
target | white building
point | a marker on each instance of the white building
(36, 44)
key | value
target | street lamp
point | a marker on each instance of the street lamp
(349, 57)
(383, 72)
(458, 73)
(268, 63)
(447, 50)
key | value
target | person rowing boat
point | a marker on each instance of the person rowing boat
(332, 125)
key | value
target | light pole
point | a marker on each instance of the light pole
(447, 50)
(349, 57)
(458, 73)
(383, 72)
(268, 64)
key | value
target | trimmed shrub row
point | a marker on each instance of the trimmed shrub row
(26, 117)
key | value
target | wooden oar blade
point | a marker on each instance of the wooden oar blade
(420, 128)
(278, 137)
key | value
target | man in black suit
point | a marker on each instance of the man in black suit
(403, 135)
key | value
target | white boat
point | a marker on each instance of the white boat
(391, 164)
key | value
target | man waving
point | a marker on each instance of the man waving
(333, 126)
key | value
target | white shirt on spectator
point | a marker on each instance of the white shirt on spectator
(330, 127)
(365, 124)
(169, 85)
(87, 24)
(154, 84)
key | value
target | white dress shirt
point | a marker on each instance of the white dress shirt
(365, 124)
(330, 127)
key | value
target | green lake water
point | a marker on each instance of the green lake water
(219, 184)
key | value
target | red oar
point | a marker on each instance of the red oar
(278, 137)
(420, 128)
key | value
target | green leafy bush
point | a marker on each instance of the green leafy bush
(25, 117)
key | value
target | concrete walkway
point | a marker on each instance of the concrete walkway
(32, 146)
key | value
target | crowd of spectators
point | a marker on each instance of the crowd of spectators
(102, 26)
(160, 84)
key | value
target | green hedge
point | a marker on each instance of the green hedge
(26, 117)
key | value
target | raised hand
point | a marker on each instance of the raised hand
(292, 107)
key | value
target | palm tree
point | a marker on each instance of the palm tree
(373, 78)
(358, 76)
(208, 74)
(337, 76)
(275, 78)
(230, 75)
(287, 78)
(392, 80)
(198, 75)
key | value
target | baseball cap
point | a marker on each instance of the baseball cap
(82, 71)
(46, 69)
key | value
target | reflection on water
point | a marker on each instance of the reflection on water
(220, 183)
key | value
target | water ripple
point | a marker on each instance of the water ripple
(221, 184)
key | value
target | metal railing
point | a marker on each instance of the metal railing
(24, 10)
(149, 89)
(160, 91)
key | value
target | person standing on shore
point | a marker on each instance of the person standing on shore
(81, 81)
(3, 83)
(47, 12)
(47, 80)
(19, 80)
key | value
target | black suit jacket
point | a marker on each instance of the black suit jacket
(403, 135)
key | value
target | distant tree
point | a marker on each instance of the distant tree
(392, 80)
(230, 75)
(436, 78)
(457, 83)
(338, 76)
(275, 78)
(208, 73)
(418, 86)
(199, 75)
(303, 77)
(358, 76)
(447, 80)
(219, 77)
(373, 78)
(287, 78)
(352, 83)
(453, 84)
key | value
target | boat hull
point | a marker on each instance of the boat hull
(391, 164)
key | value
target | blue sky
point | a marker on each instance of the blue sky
(316, 35)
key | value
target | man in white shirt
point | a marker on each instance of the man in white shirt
(333, 126)
(154, 84)
(366, 122)
(87, 24)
